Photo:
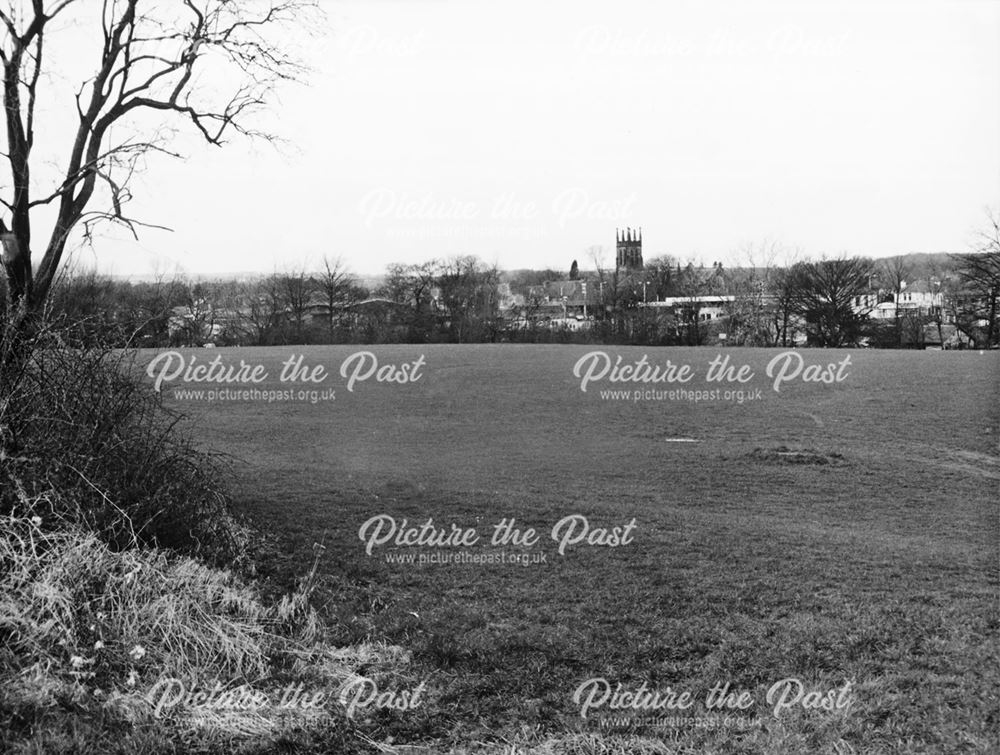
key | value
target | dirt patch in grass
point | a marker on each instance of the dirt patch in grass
(786, 455)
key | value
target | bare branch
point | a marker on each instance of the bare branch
(150, 60)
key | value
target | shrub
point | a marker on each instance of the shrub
(80, 432)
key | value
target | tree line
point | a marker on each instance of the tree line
(824, 303)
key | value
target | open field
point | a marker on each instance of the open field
(829, 532)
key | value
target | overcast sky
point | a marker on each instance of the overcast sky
(525, 132)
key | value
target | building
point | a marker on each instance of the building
(565, 298)
(628, 244)
(922, 298)
(690, 308)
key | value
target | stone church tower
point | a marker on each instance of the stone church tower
(629, 247)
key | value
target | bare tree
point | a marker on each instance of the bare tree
(827, 295)
(192, 321)
(752, 313)
(85, 299)
(411, 284)
(607, 280)
(782, 292)
(692, 283)
(262, 310)
(296, 287)
(336, 286)
(894, 273)
(978, 304)
(150, 60)
(939, 284)
(469, 295)
(659, 276)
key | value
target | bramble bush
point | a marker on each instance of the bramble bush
(81, 433)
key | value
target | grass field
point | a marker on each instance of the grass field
(829, 532)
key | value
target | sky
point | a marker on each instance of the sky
(525, 133)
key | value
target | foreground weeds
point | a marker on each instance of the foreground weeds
(92, 638)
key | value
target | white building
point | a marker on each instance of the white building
(919, 298)
(707, 307)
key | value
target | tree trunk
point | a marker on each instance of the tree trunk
(992, 321)
(17, 269)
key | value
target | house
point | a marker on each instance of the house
(922, 298)
(565, 298)
(690, 308)
(867, 303)
(201, 322)
(507, 300)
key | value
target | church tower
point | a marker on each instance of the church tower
(629, 246)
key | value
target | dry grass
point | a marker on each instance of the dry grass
(87, 632)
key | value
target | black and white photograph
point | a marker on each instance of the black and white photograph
(412, 377)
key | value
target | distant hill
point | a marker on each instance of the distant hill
(923, 265)
(920, 266)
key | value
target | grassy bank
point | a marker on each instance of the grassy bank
(106, 651)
